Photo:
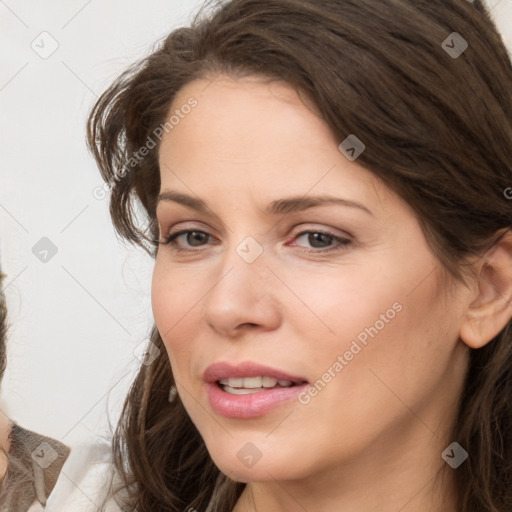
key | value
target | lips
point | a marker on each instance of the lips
(247, 369)
(251, 401)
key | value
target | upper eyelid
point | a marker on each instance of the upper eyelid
(183, 227)
(341, 242)
(299, 232)
(187, 227)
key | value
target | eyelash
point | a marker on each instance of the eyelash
(342, 242)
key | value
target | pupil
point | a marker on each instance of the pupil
(196, 235)
(315, 237)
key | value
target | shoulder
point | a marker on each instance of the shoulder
(35, 462)
(86, 479)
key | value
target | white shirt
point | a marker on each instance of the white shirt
(85, 481)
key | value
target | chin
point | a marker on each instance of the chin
(237, 464)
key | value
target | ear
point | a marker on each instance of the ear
(491, 308)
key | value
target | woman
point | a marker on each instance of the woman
(324, 185)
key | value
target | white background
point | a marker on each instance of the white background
(77, 318)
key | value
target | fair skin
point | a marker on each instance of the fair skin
(372, 439)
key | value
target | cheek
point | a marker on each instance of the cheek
(160, 297)
(373, 320)
(336, 306)
(400, 361)
(173, 296)
(389, 343)
(174, 292)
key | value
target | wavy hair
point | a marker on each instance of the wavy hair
(438, 131)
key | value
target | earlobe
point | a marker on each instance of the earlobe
(490, 311)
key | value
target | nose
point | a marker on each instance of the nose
(243, 297)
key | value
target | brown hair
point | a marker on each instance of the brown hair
(437, 130)
(3, 327)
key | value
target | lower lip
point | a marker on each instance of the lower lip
(251, 405)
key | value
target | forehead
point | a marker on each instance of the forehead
(244, 118)
(256, 127)
(258, 140)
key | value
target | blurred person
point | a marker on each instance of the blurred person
(30, 463)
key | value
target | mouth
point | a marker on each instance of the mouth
(249, 390)
(248, 385)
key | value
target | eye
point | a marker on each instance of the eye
(323, 240)
(194, 237)
(319, 241)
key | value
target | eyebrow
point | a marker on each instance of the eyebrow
(277, 207)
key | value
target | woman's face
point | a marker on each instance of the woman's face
(345, 297)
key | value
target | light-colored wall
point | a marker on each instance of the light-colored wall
(77, 317)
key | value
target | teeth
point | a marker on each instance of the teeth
(234, 383)
(269, 382)
(241, 391)
(250, 382)
(254, 383)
